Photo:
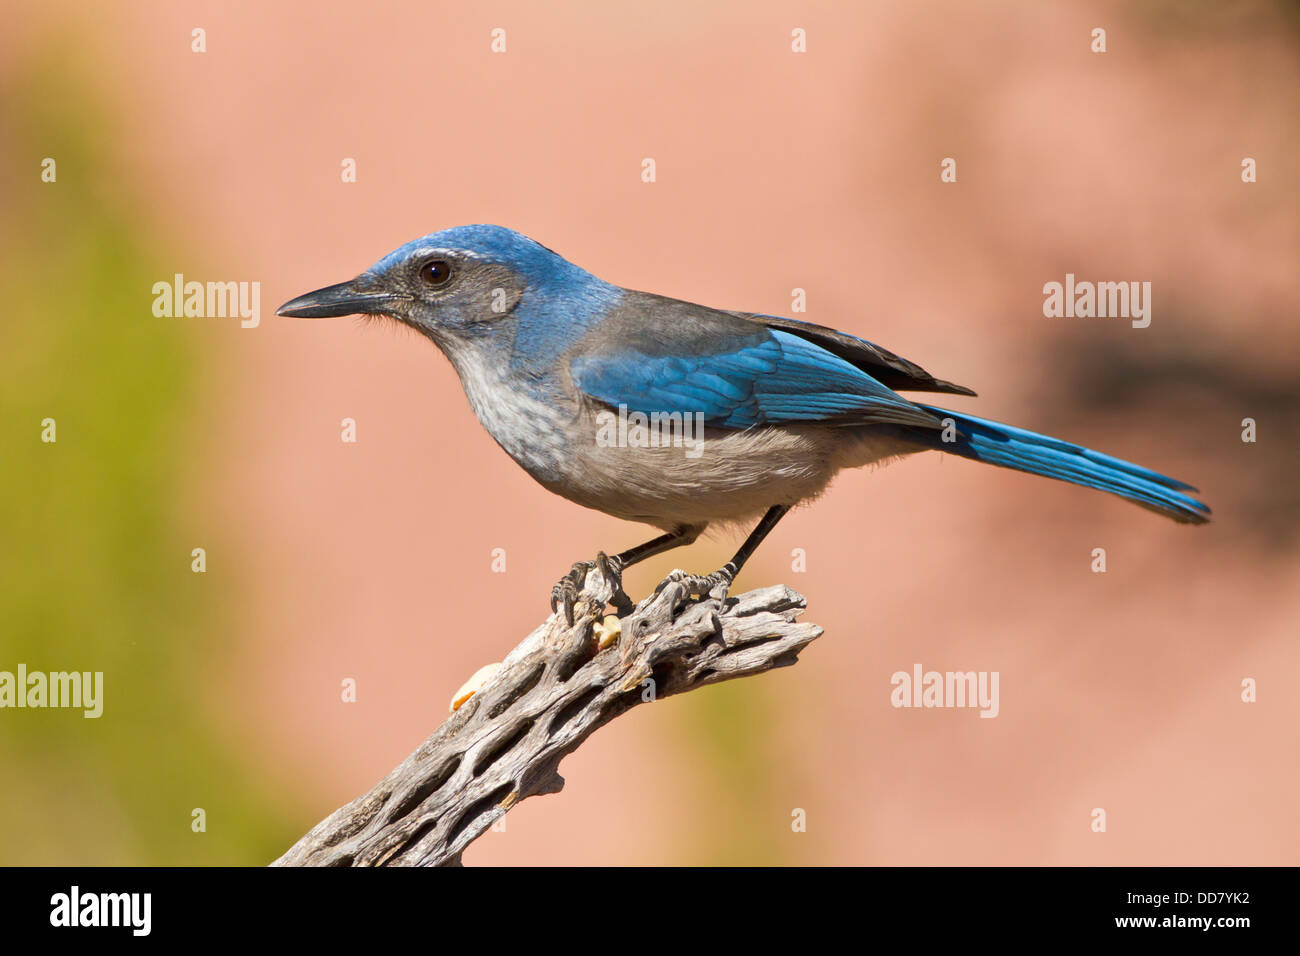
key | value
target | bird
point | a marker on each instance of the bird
(755, 413)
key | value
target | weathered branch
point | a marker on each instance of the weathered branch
(548, 696)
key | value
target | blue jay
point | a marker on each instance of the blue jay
(547, 353)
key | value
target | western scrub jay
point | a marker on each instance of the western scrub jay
(548, 355)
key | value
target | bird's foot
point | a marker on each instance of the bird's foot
(569, 589)
(715, 585)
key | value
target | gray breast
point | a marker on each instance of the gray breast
(532, 431)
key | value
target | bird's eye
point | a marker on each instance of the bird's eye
(436, 272)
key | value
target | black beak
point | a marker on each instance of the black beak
(335, 300)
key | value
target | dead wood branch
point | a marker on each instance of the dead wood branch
(552, 691)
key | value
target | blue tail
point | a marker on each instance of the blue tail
(1016, 448)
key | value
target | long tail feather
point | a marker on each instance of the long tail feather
(1010, 447)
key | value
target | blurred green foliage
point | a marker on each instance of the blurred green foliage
(94, 559)
(726, 734)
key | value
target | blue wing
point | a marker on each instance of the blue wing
(737, 376)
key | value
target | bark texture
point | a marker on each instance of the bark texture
(548, 696)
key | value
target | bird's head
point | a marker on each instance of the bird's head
(459, 283)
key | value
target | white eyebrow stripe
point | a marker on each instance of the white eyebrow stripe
(458, 253)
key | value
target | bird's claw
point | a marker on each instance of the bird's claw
(715, 585)
(566, 592)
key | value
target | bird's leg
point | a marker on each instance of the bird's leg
(566, 592)
(717, 584)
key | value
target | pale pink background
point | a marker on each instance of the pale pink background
(775, 171)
